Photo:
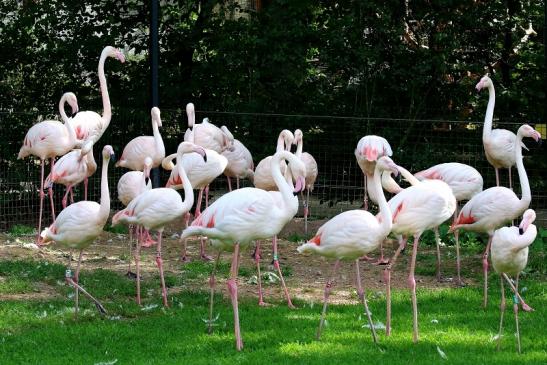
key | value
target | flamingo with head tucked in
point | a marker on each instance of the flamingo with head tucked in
(352, 234)
(240, 162)
(263, 178)
(243, 215)
(509, 258)
(47, 140)
(155, 208)
(206, 134)
(88, 123)
(79, 224)
(493, 207)
(311, 172)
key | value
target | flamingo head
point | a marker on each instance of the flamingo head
(288, 138)
(87, 146)
(227, 139)
(108, 152)
(118, 54)
(298, 135)
(155, 113)
(527, 131)
(72, 101)
(484, 82)
(298, 172)
(385, 163)
(191, 113)
(528, 218)
(147, 168)
(189, 147)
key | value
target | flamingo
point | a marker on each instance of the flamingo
(240, 162)
(130, 185)
(78, 225)
(47, 140)
(509, 257)
(493, 207)
(200, 173)
(88, 123)
(368, 150)
(136, 151)
(352, 234)
(311, 172)
(243, 215)
(206, 134)
(416, 209)
(155, 208)
(263, 178)
(73, 168)
(499, 144)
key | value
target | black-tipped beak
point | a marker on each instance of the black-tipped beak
(539, 142)
(399, 179)
(205, 158)
(146, 180)
(113, 157)
(521, 231)
(74, 114)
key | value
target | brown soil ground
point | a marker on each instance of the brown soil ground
(309, 273)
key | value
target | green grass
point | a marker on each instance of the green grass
(19, 230)
(44, 332)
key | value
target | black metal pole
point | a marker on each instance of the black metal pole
(154, 60)
(545, 60)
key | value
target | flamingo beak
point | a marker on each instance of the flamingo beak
(479, 86)
(113, 157)
(300, 185)
(537, 137)
(524, 226)
(120, 56)
(146, 180)
(201, 151)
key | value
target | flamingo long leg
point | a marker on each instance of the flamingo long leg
(362, 297)
(259, 275)
(85, 188)
(212, 283)
(51, 192)
(328, 287)
(98, 304)
(65, 197)
(232, 288)
(516, 311)
(130, 248)
(485, 271)
(276, 264)
(387, 278)
(38, 239)
(510, 179)
(412, 284)
(497, 176)
(159, 262)
(237, 182)
(365, 200)
(229, 183)
(198, 205)
(525, 306)
(306, 210)
(138, 268)
(184, 257)
(459, 281)
(76, 279)
(502, 310)
(71, 196)
(438, 244)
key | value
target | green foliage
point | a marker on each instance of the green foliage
(118, 229)
(19, 230)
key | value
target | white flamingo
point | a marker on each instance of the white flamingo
(155, 208)
(499, 144)
(240, 162)
(79, 224)
(206, 134)
(47, 140)
(88, 123)
(493, 207)
(352, 234)
(263, 178)
(243, 215)
(509, 257)
(311, 172)
(139, 148)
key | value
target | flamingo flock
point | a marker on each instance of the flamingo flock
(246, 215)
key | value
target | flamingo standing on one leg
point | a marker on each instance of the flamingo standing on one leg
(499, 144)
(155, 208)
(47, 140)
(240, 163)
(72, 169)
(139, 148)
(79, 224)
(352, 234)
(493, 207)
(509, 257)
(130, 185)
(311, 172)
(243, 215)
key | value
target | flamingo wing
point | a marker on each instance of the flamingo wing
(136, 151)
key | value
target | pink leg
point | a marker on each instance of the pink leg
(365, 201)
(65, 197)
(130, 247)
(259, 276)
(459, 280)
(71, 196)
(306, 211)
(184, 257)
(202, 252)
(147, 240)
(516, 311)
(276, 264)
(497, 176)
(229, 183)
(381, 260)
(514, 288)
(212, 295)
(85, 188)
(38, 239)
(438, 244)
(76, 277)
(485, 271)
(159, 262)
(328, 287)
(138, 268)
(237, 182)
(362, 297)
(50, 191)
(502, 311)
(198, 205)
(412, 285)
(70, 281)
(510, 180)
(387, 279)
(232, 288)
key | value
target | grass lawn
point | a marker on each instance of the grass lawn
(453, 327)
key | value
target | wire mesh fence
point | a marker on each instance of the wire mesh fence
(416, 144)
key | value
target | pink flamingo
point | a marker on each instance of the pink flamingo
(263, 178)
(311, 172)
(206, 134)
(499, 144)
(73, 168)
(88, 123)
(416, 209)
(200, 173)
(240, 162)
(130, 185)
(243, 215)
(352, 234)
(139, 148)
(79, 224)
(368, 150)
(47, 140)
(493, 207)
(155, 208)
(509, 257)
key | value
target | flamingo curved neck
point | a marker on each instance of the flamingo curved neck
(104, 210)
(91, 163)
(299, 148)
(282, 185)
(385, 212)
(160, 148)
(487, 129)
(107, 109)
(523, 177)
(64, 117)
(280, 143)
(188, 192)
(408, 176)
